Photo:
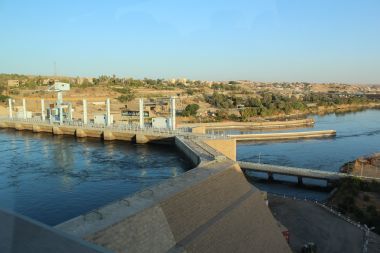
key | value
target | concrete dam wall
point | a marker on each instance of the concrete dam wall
(211, 208)
(208, 209)
(83, 132)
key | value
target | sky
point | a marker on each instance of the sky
(261, 40)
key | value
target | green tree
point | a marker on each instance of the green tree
(191, 110)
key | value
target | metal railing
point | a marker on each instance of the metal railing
(120, 127)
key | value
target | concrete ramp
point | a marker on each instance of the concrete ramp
(208, 209)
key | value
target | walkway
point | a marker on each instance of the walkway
(298, 172)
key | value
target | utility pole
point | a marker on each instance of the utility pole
(10, 108)
(141, 112)
(108, 112)
(42, 109)
(84, 111)
(172, 107)
(24, 108)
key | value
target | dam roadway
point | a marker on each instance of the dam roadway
(300, 173)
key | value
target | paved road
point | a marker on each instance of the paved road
(307, 222)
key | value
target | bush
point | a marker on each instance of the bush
(3, 98)
(190, 110)
(125, 98)
(233, 117)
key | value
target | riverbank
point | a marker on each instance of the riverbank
(323, 110)
(368, 166)
(359, 200)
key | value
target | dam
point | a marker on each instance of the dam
(211, 203)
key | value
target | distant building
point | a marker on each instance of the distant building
(101, 119)
(13, 83)
(82, 80)
(46, 81)
(160, 122)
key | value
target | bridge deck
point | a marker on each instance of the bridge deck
(298, 172)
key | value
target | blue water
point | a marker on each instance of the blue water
(358, 134)
(54, 178)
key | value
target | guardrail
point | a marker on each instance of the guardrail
(302, 172)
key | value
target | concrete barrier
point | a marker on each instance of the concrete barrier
(283, 136)
(80, 133)
(19, 127)
(36, 129)
(3, 125)
(67, 130)
(199, 130)
(93, 133)
(57, 131)
(225, 146)
(121, 136)
(108, 135)
(185, 149)
(250, 125)
(141, 139)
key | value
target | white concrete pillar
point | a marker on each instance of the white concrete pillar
(23, 108)
(84, 111)
(70, 112)
(172, 110)
(43, 109)
(10, 108)
(51, 116)
(141, 112)
(60, 115)
(108, 112)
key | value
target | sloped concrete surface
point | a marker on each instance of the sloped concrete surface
(19, 234)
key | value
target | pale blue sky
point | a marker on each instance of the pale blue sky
(263, 40)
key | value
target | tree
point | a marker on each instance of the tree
(191, 110)
(246, 113)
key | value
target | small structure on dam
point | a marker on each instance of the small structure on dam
(61, 112)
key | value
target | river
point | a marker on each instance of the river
(358, 134)
(55, 178)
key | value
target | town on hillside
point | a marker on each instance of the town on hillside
(197, 101)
